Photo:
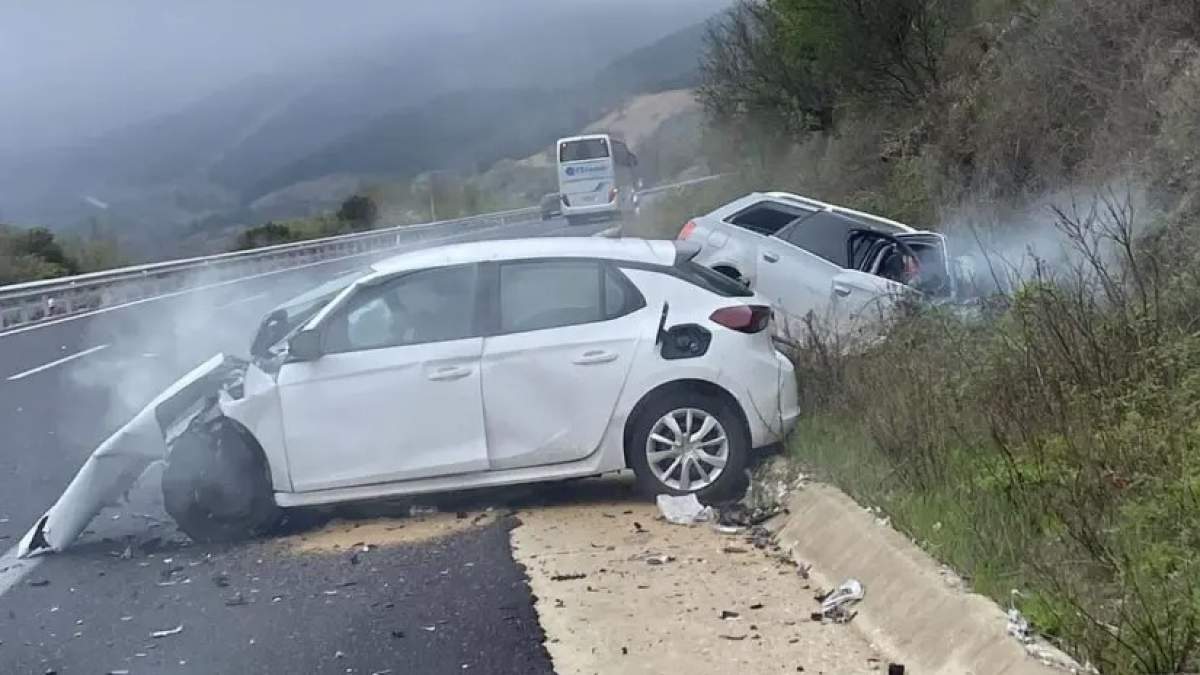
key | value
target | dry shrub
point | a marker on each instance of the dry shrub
(1075, 406)
(1067, 92)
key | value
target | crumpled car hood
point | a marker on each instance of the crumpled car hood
(121, 459)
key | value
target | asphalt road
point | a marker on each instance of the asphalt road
(65, 387)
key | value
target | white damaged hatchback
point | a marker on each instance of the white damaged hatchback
(459, 367)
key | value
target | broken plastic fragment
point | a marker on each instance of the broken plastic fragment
(685, 510)
(167, 633)
(1018, 626)
(114, 466)
(835, 606)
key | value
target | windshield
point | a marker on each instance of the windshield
(578, 151)
(282, 321)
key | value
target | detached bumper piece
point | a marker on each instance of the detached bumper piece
(115, 466)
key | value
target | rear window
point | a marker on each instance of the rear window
(767, 218)
(577, 151)
(711, 280)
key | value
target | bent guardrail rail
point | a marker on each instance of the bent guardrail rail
(31, 302)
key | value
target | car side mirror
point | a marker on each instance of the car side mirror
(305, 346)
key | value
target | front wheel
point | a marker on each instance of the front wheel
(217, 486)
(689, 443)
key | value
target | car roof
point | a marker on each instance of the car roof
(633, 250)
(807, 202)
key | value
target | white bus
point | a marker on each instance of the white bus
(596, 177)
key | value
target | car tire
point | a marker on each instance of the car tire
(727, 484)
(217, 486)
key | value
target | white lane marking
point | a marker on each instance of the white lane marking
(239, 301)
(104, 310)
(13, 569)
(59, 362)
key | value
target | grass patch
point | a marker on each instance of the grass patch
(975, 531)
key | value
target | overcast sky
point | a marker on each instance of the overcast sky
(72, 68)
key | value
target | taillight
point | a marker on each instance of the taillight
(687, 230)
(612, 194)
(743, 318)
(566, 200)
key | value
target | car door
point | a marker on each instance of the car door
(564, 334)
(395, 394)
(877, 275)
(796, 268)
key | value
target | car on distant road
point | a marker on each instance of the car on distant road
(551, 206)
(463, 366)
(807, 257)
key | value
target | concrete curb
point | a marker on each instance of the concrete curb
(914, 611)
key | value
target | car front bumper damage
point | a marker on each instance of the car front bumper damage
(115, 466)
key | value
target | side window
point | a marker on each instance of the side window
(767, 218)
(621, 297)
(823, 234)
(548, 294)
(426, 306)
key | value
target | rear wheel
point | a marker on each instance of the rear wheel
(689, 443)
(217, 486)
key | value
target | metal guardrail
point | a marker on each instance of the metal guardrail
(686, 183)
(28, 303)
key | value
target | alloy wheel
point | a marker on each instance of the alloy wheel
(687, 449)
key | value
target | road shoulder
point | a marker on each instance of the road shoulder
(620, 591)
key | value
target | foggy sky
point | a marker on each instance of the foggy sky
(70, 69)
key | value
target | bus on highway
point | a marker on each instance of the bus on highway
(596, 177)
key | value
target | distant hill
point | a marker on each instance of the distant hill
(474, 129)
(670, 63)
(464, 130)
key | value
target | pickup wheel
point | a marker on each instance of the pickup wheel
(217, 486)
(689, 443)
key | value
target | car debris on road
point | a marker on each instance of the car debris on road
(168, 632)
(836, 605)
(684, 510)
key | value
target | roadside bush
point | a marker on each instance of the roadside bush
(30, 254)
(268, 234)
(359, 211)
(1053, 446)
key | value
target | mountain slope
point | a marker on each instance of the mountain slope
(474, 129)
(463, 130)
(670, 63)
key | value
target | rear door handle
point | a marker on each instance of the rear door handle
(595, 356)
(841, 290)
(449, 373)
(770, 256)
